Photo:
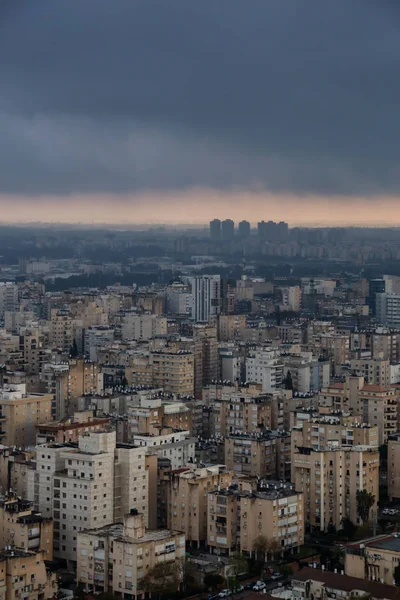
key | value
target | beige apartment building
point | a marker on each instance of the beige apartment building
(61, 333)
(173, 371)
(323, 432)
(116, 558)
(23, 574)
(187, 496)
(229, 327)
(206, 364)
(23, 528)
(69, 381)
(393, 466)
(378, 407)
(252, 454)
(374, 371)
(20, 413)
(374, 559)
(237, 518)
(330, 479)
(70, 428)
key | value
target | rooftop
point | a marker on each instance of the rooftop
(345, 583)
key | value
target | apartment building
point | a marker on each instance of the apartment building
(330, 479)
(205, 297)
(206, 365)
(24, 528)
(173, 371)
(393, 466)
(69, 381)
(143, 327)
(322, 432)
(229, 326)
(238, 517)
(252, 454)
(378, 407)
(116, 558)
(236, 411)
(176, 446)
(308, 374)
(8, 297)
(70, 428)
(265, 367)
(31, 346)
(147, 420)
(325, 584)
(375, 371)
(20, 413)
(23, 574)
(61, 334)
(374, 559)
(187, 497)
(89, 484)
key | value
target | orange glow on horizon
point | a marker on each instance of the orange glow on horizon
(197, 207)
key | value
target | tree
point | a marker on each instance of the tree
(396, 575)
(288, 381)
(365, 501)
(164, 578)
(274, 548)
(260, 547)
(73, 351)
(238, 564)
(348, 528)
(213, 581)
(286, 571)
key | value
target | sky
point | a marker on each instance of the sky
(182, 111)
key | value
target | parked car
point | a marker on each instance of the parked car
(276, 576)
(259, 586)
(225, 593)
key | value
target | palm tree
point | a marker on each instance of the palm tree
(365, 501)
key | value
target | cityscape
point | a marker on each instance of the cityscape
(201, 425)
(199, 300)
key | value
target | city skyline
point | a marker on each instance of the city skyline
(198, 208)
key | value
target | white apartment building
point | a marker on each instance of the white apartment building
(96, 337)
(143, 327)
(265, 367)
(178, 447)
(88, 485)
(205, 297)
(388, 310)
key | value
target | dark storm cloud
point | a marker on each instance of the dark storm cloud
(127, 95)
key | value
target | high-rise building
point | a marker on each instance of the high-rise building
(262, 230)
(244, 229)
(376, 286)
(206, 297)
(387, 309)
(87, 485)
(228, 230)
(329, 469)
(283, 231)
(215, 230)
